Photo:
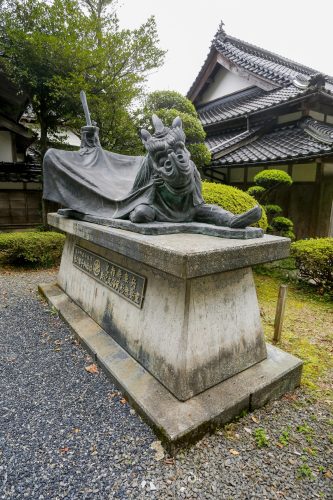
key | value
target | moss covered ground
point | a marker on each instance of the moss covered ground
(307, 331)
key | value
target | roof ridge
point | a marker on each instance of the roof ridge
(320, 131)
(273, 55)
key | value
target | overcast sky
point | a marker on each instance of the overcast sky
(298, 29)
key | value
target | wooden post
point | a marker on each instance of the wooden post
(280, 307)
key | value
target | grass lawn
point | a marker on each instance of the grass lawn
(307, 331)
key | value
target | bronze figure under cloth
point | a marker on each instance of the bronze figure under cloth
(162, 187)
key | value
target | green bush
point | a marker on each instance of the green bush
(314, 260)
(283, 227)
(273, 209)
(199, 154)
(169, 99)
(192, 126)
(282, 224)
(256, 191)
(31, 249)
(230, 198)
(272, 178)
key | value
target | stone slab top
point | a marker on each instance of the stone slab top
(183, 255)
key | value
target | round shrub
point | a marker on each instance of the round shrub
(282, 224)
(256, 191)
(230, 198)
(283, 227)
(169, 99)
(32, 249)
(314, 260)
(273, 178)
(200, 154)
(273, 210)
(192, 126)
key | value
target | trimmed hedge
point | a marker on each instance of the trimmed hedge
(282, 223)
(283, 226)
(272, 178)
(31, 249)
(314, 260)
(273, 210)
(256, 191)
(231, 198)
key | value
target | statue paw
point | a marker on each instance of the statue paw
(247, 218)
(142, 214)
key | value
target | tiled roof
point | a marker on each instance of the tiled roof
(20, 172)
(246, 102)
(278, 70)
(306, 139)
(260, 62)
(220, 144)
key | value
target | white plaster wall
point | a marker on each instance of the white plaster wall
(328, 169)
(290, 117)
(304, 172)
(316, 116)
(224, 83)
(6, 153)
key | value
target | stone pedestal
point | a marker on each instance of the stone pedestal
(181, 307)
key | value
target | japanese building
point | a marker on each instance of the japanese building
(260, 111)
(20, 187)
(20, 166)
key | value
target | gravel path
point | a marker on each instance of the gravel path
(67, 433)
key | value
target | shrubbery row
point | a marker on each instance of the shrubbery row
(31, 248)
(314, 261)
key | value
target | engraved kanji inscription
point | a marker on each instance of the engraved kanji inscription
(129, 285)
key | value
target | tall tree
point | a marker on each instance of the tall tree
(54, 49)
(39, 42)
(123, 60)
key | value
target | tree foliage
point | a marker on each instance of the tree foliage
(267, 182)
(272, 178)
(314, 260)
(167, 105)
(32, 249)
(169, 99)
(232, 199)
(54, 49)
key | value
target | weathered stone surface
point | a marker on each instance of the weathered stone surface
(176, 421)
(182, 255)
(190, 333)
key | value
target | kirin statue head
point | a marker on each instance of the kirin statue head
(167, 151)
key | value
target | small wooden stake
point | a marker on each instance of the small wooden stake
(279, 315)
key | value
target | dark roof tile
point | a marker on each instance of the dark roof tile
(305, 139)
(280, 71)
(244, 103)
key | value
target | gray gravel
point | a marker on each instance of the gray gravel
(66, 433)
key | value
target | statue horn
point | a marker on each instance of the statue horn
(145, 135)
(177, 123)
(158, 124)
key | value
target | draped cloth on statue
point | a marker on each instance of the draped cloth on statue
(109, 185)
(95, 182)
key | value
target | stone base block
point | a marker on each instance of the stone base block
(174, 421)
